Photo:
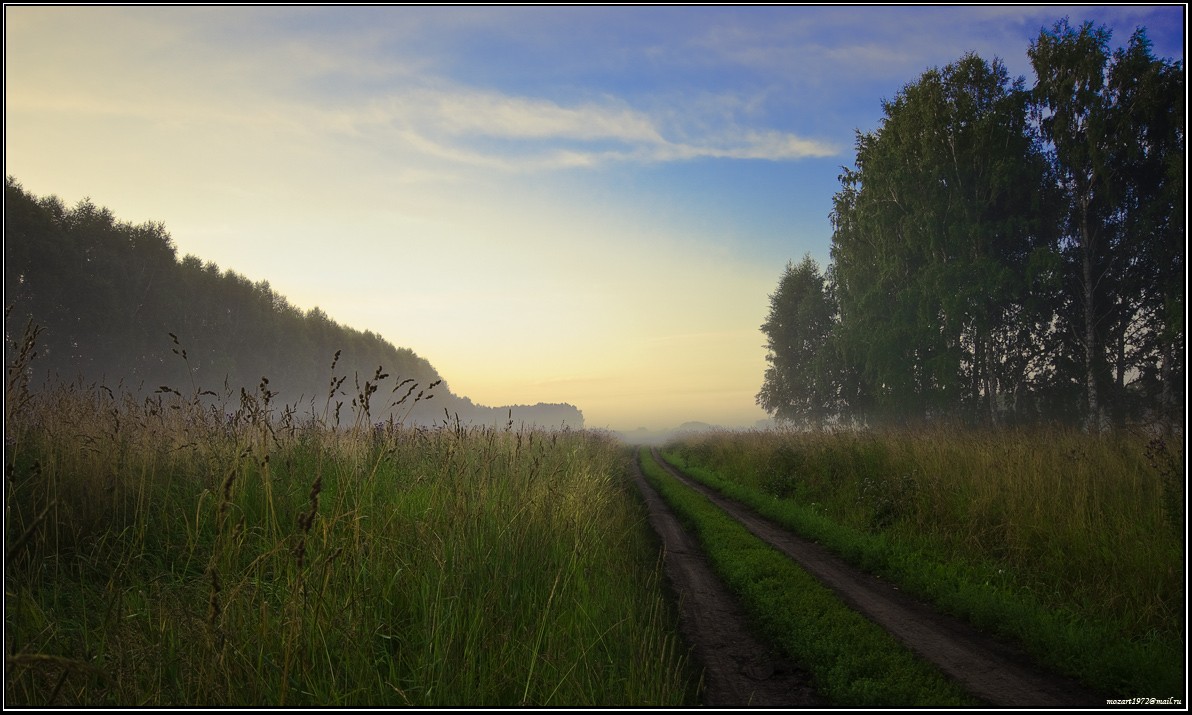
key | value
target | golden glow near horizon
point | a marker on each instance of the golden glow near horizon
(542, 215)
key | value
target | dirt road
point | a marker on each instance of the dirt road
(739, 669)
(740, 672)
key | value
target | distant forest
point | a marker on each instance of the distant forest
(1002, 254)
(117, 308)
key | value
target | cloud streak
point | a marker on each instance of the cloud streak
(490, 129)
(397, 102)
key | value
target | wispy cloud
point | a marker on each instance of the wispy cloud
(497, 115)
(495, 130)
(307, 87)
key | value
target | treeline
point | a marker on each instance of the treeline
(1001, 254)
(117, 308)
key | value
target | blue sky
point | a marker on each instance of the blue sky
(586, 205)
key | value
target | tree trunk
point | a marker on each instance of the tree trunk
(1096, 419)
(991, 389)
(1166, 406)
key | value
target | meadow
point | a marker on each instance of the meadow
(202, 549)
(198, 548)
(1071, 545)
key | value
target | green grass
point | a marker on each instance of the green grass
(1063, 542)
(854, 662)
(160, 553)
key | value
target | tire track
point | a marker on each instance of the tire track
(988, 668)
(739, 669)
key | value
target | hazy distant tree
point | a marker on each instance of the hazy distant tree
(91, 281)
(108, 294)
(798, 382)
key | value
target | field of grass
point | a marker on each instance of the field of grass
(175, 551)
(1072, 545)
(202, 549)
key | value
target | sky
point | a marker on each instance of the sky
(588, 205)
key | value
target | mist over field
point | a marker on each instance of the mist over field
(541, 215)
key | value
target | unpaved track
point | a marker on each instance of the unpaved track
(739, 670)
(990, 669)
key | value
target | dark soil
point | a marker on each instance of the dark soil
(739, 670)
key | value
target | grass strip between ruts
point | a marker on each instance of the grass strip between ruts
(853, 661)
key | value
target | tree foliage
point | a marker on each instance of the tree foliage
(1006, 254)
(798, 384)
(933, 254)
(1114, 129)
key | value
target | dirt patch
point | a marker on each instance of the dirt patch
(990, 669)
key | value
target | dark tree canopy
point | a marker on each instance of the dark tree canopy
(1003, 254)
(117, 307)
(1114, 127)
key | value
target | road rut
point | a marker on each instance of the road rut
(739, 669)
(988, 668)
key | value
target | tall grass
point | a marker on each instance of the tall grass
(1002, 526)
(208, 551)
